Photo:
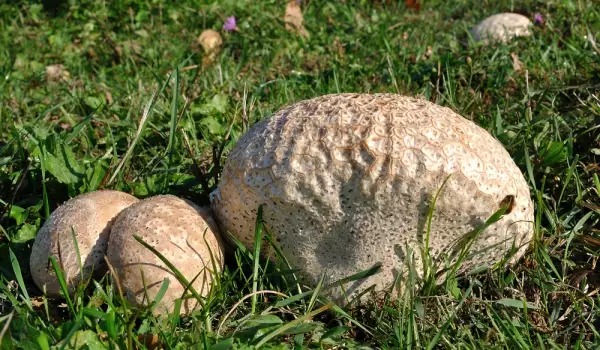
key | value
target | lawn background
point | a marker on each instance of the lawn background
(67, 133)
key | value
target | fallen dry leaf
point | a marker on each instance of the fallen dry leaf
(413, 4)
(590, 241)
(57, 72)
(294, 21)
(428, 52)
(149, 340)
(130, 45)
(109, 98)
(516, 63)
(65, 126)
(211, 42)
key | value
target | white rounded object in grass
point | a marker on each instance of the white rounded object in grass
(346, 180)
(501, 28)
(183, 233)
(90, 217)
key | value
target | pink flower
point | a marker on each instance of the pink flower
(538, 19)
(230, 24)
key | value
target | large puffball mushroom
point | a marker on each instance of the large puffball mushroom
(186, 235)
(345, 181)
(501, 28)
(90, 217)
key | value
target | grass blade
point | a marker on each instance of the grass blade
(160, 294)
(63, 284)
(173, 122)
(291, 324)
(180, 277)
(363, 274)
(439, 334)
(257, 245)
(316, 292)
(19, 276)
(76, 245)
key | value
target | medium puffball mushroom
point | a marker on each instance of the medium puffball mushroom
(183, 233)
(501, 27)
(90, 217)
(346, 181)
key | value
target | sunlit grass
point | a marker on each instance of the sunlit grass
(142, 113)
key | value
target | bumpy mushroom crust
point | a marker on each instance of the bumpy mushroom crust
(90, 215)
(182, 232)
(501, 27)
(345, 182)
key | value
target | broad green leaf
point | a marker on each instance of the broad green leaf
(223, 345)
(516, 303)
(334, 332)
(452, 287)
(85, 339)
(555, 152)
(43, 341)
(93, 102)
(94, 176)
(26, 233)
(61, 163)
(213, 126)
(18, 214)
(302, 328)
(263, 319)
(217, 104)
(258, 326)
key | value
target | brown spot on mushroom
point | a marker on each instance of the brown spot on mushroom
(508, 201)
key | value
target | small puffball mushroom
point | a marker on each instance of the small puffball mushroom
(90, 216)
(346, 181)
(501, 27)
(211, 42)
(183, 233)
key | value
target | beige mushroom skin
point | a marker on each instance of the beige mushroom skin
(90, 215)
(346, 180)
(183, 233)
(501, 28)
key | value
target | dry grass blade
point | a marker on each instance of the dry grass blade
(136, 137)
(6, 325)
(516, 62)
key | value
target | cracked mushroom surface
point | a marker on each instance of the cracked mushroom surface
(185, 234)
(345, 181)
(90, 216)
(501, 27)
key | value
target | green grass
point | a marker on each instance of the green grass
(140, 112)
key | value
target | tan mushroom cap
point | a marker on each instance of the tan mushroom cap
(183, 233)
(90, 215)
(345, 181)
(501, 27)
